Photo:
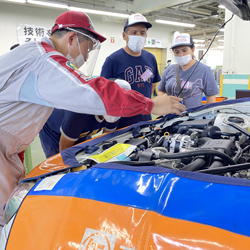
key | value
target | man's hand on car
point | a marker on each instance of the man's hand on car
(167, 105)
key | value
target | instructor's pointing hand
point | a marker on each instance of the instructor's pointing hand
(165, 104)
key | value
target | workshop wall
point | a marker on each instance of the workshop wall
(12, 14)
(236, 66)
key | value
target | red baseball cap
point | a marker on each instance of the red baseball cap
(76, 19)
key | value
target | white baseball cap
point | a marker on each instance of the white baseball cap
(182, 39)
(137, 18)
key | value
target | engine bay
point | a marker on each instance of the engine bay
(214, 141)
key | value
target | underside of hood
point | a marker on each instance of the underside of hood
(240, 8)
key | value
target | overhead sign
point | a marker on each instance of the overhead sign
(27, 33)
(153, 43)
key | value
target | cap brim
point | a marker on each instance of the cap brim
(148, 25)
(99, 37)
(181, 44)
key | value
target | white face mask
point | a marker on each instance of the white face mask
(136, 43)
(79, 60)
(183, 60)
(111, 119)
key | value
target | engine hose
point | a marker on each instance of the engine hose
(135, 163)
(223, 170)
(216, 164)
(159, 142)
(195, 165)
(239, 151)
(245, 149)
(182, 130)
(243, 131)
(229, 134)
(202, 152)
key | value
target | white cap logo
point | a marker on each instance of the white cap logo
(181, 39)
(137, 18)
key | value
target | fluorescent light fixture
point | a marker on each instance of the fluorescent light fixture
(175, 23)
(55, 5)
(221, 41)
(99, 12)
(222, 6)
(199, 40)
(221, 47)
(16, 1)
(200, 45)
(222, 30)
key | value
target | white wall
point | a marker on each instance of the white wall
(236, 46)
(12, 14)
(212, 59)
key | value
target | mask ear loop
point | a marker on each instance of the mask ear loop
(78, 44)
(68, 49)
(95, 41)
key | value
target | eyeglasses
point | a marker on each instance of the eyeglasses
(96, 43)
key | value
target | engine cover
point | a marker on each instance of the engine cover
(226, 145)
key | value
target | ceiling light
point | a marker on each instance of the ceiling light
(175, 23)
(221, 47)
(221, 41)
(199, 40)
(222, 30)
(16, 1)
(200, 45)
(99, 12)
(222, 6)
(55, 5)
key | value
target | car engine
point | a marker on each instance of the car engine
(213, 142)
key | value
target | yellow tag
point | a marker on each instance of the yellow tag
(83, 167)
(113, 152)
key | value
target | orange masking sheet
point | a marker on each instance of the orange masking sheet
(73, 223)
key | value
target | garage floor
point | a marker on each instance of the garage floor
(37, 154)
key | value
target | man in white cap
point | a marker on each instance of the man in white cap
(133, 64)
(39, 76)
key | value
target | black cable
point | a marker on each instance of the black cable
(197, 153)
(222, 170)
(223, 25)
(135, 163)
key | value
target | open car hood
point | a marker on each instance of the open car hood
(240, 8)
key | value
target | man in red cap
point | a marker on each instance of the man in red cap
(39, 76)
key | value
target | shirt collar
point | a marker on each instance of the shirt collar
(47, 40)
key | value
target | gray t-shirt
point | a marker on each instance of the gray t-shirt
(201, 81)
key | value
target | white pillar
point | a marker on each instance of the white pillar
(236, 46)
(236, 59)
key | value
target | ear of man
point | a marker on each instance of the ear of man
(71, 37)
(124, 35)
(63, 40)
